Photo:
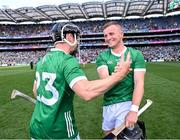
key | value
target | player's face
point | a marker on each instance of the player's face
(113, 36)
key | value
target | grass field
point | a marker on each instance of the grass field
(162, 85)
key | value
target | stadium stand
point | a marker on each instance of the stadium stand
(157, 37)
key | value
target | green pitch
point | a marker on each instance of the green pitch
(162, 85)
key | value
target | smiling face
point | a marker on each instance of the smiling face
(113, 35)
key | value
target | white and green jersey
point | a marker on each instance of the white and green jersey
(53, 117)
(122, 91)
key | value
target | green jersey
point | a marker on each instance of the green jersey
(122, 91)
(53, 117)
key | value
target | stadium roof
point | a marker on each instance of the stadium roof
(88, 10)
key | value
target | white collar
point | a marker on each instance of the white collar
(119, 54)
(57, 49)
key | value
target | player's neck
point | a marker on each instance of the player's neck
(119, 49)
(64, 48)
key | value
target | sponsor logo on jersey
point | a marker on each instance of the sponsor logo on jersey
(117, 60)
(109, 62)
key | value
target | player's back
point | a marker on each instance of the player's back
(54, 108)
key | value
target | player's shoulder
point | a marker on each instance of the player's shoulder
(63, 58)
(134, 51)
(69, 59)
(39, 61)
(105, 52)
(61, 55)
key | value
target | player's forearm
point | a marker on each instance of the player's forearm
(98, 87)
(35, 93)
(138, 87)
(138, 94)
(35, 89)
(88, 90)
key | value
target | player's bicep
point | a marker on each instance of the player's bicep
(103, 72)
(139, 77)
(80, 88)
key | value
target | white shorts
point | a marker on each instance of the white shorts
(113, 115)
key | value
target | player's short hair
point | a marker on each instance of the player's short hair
(112, 23)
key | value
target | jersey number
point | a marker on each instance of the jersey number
(49, 87)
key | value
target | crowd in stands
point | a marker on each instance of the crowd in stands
(160, 53)
(88, 55)
(24, 31)
(130, 25)
(26, 46)
(20, 57)
(134, 41)
(163, 53)
(90, 49)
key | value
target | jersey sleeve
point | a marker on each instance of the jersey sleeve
(100, 61)
(72, 71)
(139, 62)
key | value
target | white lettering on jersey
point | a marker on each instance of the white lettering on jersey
(49, 87)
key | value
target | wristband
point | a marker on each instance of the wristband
(134, 108)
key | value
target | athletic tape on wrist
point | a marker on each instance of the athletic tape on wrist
(134, 108)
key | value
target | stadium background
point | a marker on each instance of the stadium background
(152, 26)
